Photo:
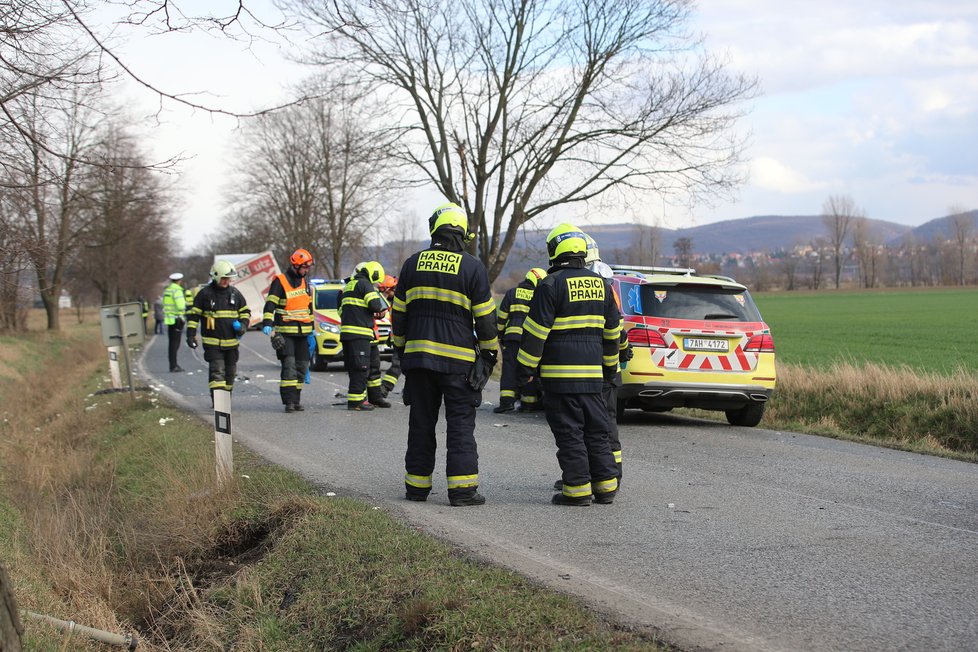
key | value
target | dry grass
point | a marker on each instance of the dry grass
(110, 518)
(903, 408)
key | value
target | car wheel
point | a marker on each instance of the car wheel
(620, 409)
(749, 415)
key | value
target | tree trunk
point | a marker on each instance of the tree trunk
(52, 308)
(10, 627)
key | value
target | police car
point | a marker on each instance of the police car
(698, 341)
(325, 307)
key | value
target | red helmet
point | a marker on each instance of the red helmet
(301, 257)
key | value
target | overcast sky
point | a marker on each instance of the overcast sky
(873, 99)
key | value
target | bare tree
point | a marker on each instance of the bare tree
(867, 248)
(129, 237)
(314, 175)
(684, 251)
(643, 248)
(788, 265)
(49, 174)
(962, 224)
(514, 108)
(838, 213)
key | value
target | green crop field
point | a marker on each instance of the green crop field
(932, 330)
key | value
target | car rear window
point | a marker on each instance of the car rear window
(699, 302)
(326, 299)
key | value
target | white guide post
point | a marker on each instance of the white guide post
(222, 435)
(114, 352)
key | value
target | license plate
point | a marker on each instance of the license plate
(700, 344)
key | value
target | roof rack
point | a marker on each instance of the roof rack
(688, 271)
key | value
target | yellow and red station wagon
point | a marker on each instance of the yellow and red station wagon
(698, 341)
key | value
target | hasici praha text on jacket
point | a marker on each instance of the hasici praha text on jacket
(569, 308)
(441, 297)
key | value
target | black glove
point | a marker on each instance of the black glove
(278, 342)
(481, 369)
(626, 354)
(191, 340)
(178, 323)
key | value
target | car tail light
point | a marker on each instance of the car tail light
(760, 344)
(646, 337)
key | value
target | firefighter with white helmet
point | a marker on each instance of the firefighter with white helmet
(288, 308)
(570, 338)
(222, 314)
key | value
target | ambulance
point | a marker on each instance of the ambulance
(698, 341)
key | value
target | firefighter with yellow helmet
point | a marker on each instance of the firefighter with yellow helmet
(360, 303)
(222, 314)
(288, 308)
(509, 323)
(570, 338)
(444, 330)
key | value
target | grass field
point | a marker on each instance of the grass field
(933, 330)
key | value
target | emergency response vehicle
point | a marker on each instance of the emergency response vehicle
(325, 307)
(698, 342)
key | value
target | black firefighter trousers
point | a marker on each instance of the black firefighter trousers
(424, 391)
(294, 357)
(580, 426)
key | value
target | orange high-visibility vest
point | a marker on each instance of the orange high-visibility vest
(297, 302)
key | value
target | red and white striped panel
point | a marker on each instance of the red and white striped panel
(672, 358)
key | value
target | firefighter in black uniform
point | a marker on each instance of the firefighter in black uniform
(571, 334)
(609, 389)
(359, 305)
(225, 314)
(443, 322)
(509, 323)
(288, 307)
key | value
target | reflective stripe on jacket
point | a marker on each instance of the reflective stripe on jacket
(214, 311)
(572, 331)
(358, 304)
(174, 304)
(289, 305)
(512, 311)
(442, 309)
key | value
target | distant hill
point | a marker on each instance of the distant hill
(943, 227)
(761, 233)
(749, 234)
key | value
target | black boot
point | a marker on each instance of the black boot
(359, 406)
(605, 498)
(467, 499)
(561, 499)
(505, 405)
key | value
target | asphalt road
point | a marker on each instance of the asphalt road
(722, 538)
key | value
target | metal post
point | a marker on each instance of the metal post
(125, 352)
(222, 435)
(114, 367)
